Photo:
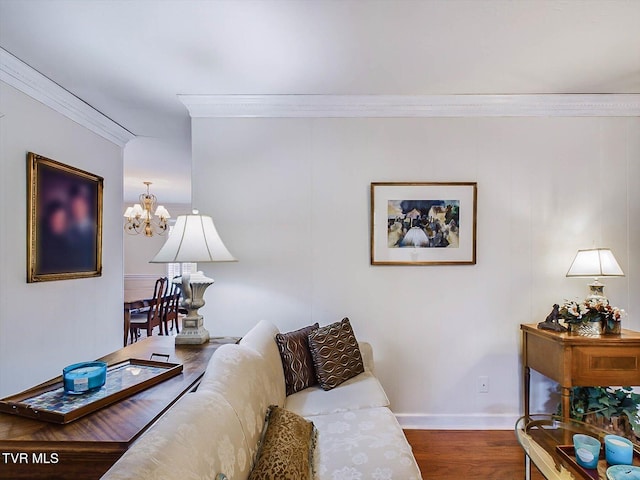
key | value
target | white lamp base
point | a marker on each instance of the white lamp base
(193, 331)
(596, 292)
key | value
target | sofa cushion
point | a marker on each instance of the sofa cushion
(181, 444)
(241, 375)
(335, 353)
(367, 443)
(261, 338)
(286, 451)
(361, 391)
(297, 363)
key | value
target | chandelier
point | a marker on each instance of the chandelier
(139, 218)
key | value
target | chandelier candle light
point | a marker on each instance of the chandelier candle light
(194, 239)
(140, 219)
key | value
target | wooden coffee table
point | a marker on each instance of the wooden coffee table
(86, 448)
(539, 435)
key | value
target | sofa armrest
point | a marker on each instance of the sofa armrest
(367, 355)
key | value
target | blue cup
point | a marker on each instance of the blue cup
(618, 450)
(587, 450)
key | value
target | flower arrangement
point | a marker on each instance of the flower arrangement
(590, 310)
(591, 316)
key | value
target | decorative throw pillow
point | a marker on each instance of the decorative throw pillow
(336, 355)
(296, 359)
(286, 449)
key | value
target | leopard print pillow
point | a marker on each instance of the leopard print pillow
(286, 449)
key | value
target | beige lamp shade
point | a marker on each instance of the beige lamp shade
(194, 239)
(137, 210)
(162, 212)
(595, 262)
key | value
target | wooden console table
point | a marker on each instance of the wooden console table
(576, 361)
(86, 448)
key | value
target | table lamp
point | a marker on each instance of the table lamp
(596, 263)
(193, 239)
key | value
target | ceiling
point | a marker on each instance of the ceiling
(130, 59)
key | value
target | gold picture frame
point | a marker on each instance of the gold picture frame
(64, 221)
(428, 223)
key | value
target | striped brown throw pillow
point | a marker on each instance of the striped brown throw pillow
(297, 363)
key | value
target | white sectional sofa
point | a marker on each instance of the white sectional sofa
(217, 429)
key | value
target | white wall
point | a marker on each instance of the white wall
(46, 326)
(164, 162)
(290, 199)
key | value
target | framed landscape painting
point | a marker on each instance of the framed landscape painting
(64, 221)
(423, 223)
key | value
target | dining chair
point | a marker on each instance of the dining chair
(153, 317)
(172, 308)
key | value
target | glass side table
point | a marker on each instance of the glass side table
(539, 435)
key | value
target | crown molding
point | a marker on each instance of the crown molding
(18, 74)
(373, 106)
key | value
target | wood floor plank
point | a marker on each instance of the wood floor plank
(468, 455)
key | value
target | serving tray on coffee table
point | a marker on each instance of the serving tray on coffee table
(50, 403)
(568, 454)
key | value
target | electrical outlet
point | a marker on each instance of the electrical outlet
(483, 384)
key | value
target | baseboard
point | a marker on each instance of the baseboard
(482, 421)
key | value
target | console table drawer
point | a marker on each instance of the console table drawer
(603, 366)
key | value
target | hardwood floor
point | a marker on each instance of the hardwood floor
(469, 455)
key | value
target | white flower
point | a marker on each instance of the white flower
(365, 426)
(338, 427)
(250, 418)
(360, 458)
(347, 473)
(383, 440)
(381, 474)
(226, 453)
(242, 458)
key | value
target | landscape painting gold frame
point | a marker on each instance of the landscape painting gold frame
(61, 243)
(423, 223)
